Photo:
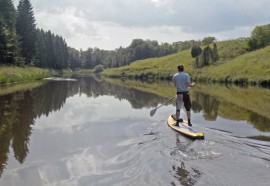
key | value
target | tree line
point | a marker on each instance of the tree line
(138, 50)
(23, 44)
(204, 51)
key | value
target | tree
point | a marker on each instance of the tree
(26, 29)
(87, 58)
(74, 58)
(98, 69)
(196, 51)
(52, 51)
(9, 45)
(215, 52)
(4, 39)
(207, 55)
(8, 13)
(260, 37)
(41, 48)
(208, 40)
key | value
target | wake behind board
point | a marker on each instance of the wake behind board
(184, 128)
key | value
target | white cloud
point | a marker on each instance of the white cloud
(159, 2)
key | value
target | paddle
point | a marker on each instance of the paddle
(152, 112)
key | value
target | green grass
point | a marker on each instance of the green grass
(241, 66)
(250, 67)
(161, 68)
(17, 74)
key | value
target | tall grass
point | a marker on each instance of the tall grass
(17, 74)
(161, 68)
(250, 67)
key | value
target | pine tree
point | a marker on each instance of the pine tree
(8, 13)
(9, 44)
(41, 49)
(50, 50)
(4, 54)
(26, 29)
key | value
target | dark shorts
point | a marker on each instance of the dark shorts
(183, 97)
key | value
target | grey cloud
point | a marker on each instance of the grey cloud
(191, 15)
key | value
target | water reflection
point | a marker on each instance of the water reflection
(206, 103)
(184, 176)
(19, 110)
(251, 104)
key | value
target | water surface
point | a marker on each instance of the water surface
(99, 132)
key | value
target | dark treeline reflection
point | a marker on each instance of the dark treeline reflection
(94, 87)
(213, 106)
(18, 111)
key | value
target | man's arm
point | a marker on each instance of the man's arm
(191, 84)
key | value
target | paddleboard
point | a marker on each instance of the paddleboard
(184, 129)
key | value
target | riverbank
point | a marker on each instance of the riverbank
(17, 74)
(9, 75)
(248, 68)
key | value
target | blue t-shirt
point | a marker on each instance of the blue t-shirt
(181, 80)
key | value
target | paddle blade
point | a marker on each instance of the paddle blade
(152, 112)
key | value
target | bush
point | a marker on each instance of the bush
(98, 69)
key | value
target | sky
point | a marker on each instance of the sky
(109, 24)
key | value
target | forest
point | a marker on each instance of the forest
(23, 44)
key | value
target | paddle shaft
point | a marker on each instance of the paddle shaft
(154, 110)
(165, 102)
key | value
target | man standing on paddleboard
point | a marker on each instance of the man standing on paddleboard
(182, 84)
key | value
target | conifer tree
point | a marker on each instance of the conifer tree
(41, 49)
(9, 45)
(26, 29)
(3, 42)
(8, 13)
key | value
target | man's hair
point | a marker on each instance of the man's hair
(180, 68)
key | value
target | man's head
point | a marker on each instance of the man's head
(180, 68)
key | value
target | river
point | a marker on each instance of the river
(86, 131)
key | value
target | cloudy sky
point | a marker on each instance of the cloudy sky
(109, 24)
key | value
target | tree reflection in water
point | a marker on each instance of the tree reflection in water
(19, 110)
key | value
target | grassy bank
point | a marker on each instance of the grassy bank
(241, 67)
(17, 74)
(252, 67)
(159, 68)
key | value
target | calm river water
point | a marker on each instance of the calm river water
(99, 132)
